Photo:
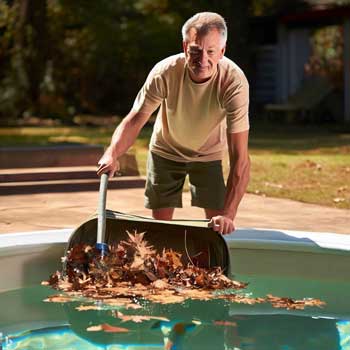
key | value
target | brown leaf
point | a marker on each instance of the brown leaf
(97, 328)
(199, 280)
(151, 276)
(133, 306)
(88, 307)
(133, 269)
(139, 318)
(173, 258)
(137, 263)
(65, 285)
(166, 299)
(314, 302)
(242, 299)
(59, 299)
(225, 323)
(136, 237)
(118, 301)
(107, 328)
(292, 304)
(338, 200)
(196, 294)
(160, 284)
(144, 250)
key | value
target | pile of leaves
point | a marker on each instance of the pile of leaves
(134, 269)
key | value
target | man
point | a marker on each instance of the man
(203, 98)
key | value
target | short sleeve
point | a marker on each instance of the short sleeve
(152, 93)
(236, 104)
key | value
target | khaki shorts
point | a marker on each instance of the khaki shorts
(165, 180)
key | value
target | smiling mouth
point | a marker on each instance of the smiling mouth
(200, 68)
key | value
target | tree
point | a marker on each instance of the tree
(31, 48)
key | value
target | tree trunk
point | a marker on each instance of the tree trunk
(31, 49)
(237, 14)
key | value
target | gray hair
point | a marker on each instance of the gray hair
(203, 22)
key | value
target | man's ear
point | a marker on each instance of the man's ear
(184, 46)
(223, 51)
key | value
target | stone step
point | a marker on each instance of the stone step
(75, 185)
(49, 156)
(47, 174)
(61, 156)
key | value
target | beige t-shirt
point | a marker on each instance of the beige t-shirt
(193, 118)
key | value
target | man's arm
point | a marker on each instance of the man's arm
(123, 138)
(237, 181)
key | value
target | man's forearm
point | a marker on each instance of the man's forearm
(237, 184)
(126, 133)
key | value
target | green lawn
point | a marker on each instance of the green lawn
(305, 163)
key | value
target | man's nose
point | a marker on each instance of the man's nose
(203, 58)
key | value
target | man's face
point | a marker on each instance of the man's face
(203, 54)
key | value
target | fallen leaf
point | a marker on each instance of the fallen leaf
(139, 318)
(179, 328)
(160, 284)
(293, 304)
(166, 299)
(107, 328)
(242, 299)
(225, 323)
(59, 299)
(133, 269)
(133, 306)
(112, 329)
(88, 307)
(342, 189)
(273, 185)
(338, 200)
(196, 294)
(94, 328)
(314, 302)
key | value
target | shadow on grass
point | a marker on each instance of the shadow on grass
(264, 137)
(292, 139)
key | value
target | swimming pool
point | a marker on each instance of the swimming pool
(282, 263)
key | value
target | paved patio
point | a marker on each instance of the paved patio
(44, 211)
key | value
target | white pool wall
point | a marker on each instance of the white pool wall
(27, 258)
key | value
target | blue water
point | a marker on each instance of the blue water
(26, 322)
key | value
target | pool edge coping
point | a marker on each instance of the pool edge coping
(242, 238)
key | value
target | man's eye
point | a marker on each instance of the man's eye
(211, 52)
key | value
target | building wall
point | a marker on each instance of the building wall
(263, 84)
(293, 52)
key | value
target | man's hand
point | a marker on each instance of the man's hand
(222, 224)
(108, 165)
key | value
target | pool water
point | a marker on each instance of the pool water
(26, 322)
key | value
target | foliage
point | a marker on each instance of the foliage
(12, 78)
(327, 54)
(273, 7)
(107, 50)
(133, 268)
(92, 57)
(97, 54)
